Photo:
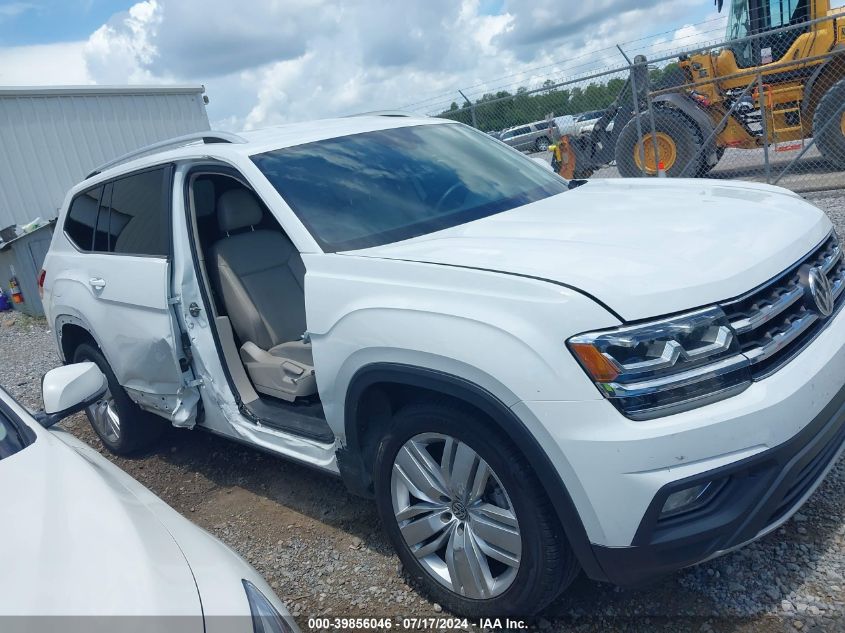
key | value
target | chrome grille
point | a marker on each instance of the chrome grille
(774, 322)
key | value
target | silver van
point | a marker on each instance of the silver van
(532, 137)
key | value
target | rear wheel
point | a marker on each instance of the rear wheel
(542, 144)
(706, 169)
(829, 124)
(122, 426)
(467, 516)
(679, 141)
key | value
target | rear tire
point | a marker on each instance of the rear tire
(831, 140)
(122, 426)
(679, 141)
(540, 564)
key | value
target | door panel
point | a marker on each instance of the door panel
(132, 306)
(119, 282)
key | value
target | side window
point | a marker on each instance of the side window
(82, 218)
(786, 12)
(139, 219)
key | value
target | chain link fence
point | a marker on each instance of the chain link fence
(767, 108)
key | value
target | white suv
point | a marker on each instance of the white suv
(531, 376)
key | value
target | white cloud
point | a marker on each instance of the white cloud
(122, 50)
(269, 61)
(43, 64)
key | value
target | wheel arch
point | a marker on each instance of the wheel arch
(688, 107)
(377, 389)
(822, 79)
(71, 332)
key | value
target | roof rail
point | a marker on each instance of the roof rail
(389, 113)
(207, 137)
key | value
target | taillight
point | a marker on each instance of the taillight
(41, 277)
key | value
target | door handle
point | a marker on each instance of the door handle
(97, 283)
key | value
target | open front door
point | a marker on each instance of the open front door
(126, 273)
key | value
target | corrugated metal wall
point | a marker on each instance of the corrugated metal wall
(51, 138)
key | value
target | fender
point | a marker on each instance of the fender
(690, 108)
(836, 64)
(358, 479)
(69, 319)
(697, 114)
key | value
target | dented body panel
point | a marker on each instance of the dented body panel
(129, 299)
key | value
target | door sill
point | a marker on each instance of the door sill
(298, 418)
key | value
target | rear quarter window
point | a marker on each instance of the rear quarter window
(82, 218)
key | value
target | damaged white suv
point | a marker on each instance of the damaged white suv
(531, 376)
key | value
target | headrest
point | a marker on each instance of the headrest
(203, 197)
(238, 209)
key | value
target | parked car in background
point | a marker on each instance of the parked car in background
(82, 538)
(533, 137)
(408, 304)
(564, 123)
(585, 122)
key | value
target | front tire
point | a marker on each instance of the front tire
(467, 515)
(122, 426)
(542, 144)
(679, 141)
(830, 134)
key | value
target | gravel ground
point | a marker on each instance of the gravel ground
(325, 554)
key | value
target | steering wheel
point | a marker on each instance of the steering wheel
(446, 194)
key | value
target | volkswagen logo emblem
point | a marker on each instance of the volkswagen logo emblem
(820, 291)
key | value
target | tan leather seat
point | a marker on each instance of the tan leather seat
(259, 276)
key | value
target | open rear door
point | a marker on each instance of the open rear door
(123, 278)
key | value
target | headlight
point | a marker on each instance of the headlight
(666, 366)
(265, 617)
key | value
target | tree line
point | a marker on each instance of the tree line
(496, 111)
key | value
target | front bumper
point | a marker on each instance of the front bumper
(759, 494)
(618, 472)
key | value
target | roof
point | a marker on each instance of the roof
(46, 91)
(264, 140)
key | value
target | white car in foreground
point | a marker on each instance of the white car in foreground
(83, 540)
(530, 376)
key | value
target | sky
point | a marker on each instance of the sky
(265, 62)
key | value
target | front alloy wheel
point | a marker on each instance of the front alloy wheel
(466, 513)
(455, 516)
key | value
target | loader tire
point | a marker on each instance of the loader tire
(830, 134)
(679, 141)
(706, 169)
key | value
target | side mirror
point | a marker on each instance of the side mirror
(69, 389)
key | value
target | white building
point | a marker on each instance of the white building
(52, 137)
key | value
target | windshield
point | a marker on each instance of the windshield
(738, 20)
(379, 187)
(13, 438)
(767, 15)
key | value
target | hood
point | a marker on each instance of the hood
(644, 248)
(78, 542)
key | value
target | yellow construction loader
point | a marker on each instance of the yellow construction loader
(779, 78)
